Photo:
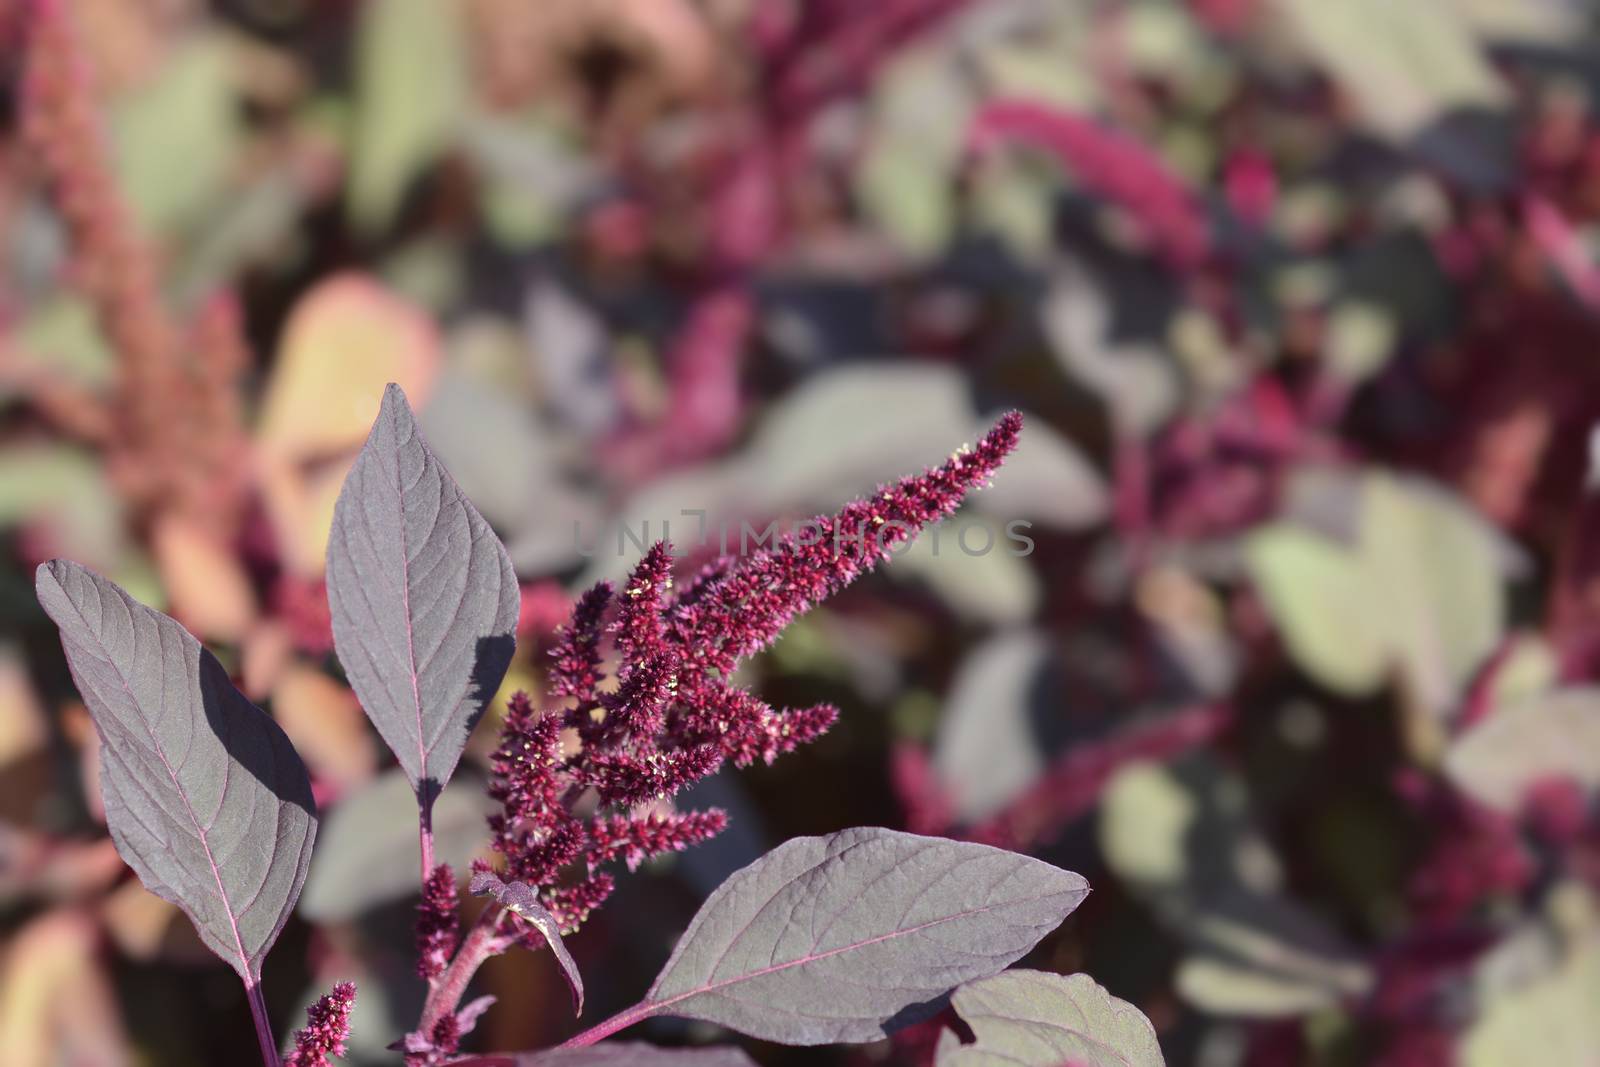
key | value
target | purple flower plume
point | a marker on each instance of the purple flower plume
(673, 715)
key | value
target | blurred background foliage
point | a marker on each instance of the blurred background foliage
(1299, 296)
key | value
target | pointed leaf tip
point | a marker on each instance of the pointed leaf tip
(205, 797)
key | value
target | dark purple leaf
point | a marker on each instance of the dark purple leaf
(423, 597)
(845, 937)
(522, 899)
(205, 797)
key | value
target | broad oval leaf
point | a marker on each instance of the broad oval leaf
(1035, 1019)
(1419, 591)
(204, 795)
(618, 1054)
(523, 900)
(845, 937)
(423, 597)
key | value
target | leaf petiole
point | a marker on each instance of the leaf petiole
(258, 1015)
(620, 1021)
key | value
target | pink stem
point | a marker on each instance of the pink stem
(258, 1015)
(425, 840)
(445, 995)
(620, 1021)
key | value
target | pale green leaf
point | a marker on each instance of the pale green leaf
(1551, 1022)
(1016, 198)
(903, 181)
(1224, 988)
(63, 337)
(1317, 595)
(1138, 384)
(1419, 592)
(1524, 21)
(63, 493)
(1359, 340)
(175, 138)
(842, 433)
(411, 92)
(1144, 819)
(1403, 64)
(1556, 735)
(242, 229)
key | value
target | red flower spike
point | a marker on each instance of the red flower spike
(634, 840)
(675, 717)
(747, 729)
(628, 781)
(577, 652)
(747, 608)
(571, 905)
(639, 625)
(327, 1027)
(638, 709)
(438, 927)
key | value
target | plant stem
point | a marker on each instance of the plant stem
(445, 995)
(258, 1015)
(620, 1021)
(425, 840)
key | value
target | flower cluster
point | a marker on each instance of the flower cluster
(327, 1027)
(668, 715)
(438, 929)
